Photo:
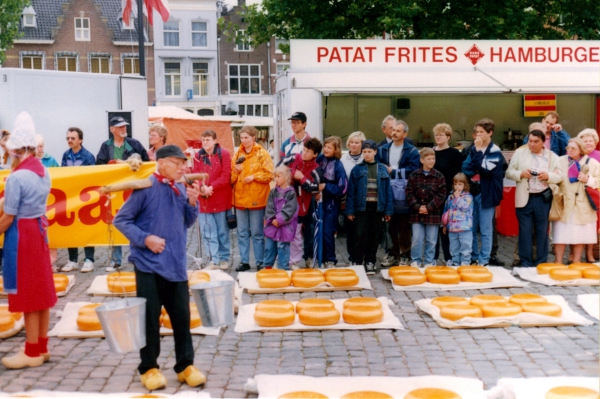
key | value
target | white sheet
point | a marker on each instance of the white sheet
(536, 388)
(273, 386)
(246, 323)
(71, 278)
(501, 279)
(67, 326)
(568, 316)
(531, 274)
(590, 303)
(248, 281)
(61, 394)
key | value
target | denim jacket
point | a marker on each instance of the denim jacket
(357, 190)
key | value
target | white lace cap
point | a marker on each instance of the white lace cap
(23, 134)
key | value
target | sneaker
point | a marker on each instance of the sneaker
(224, 265)
(88, 266)
(485, 265)
(474, 262)
(370, 268)
(294, 266)
(309, 263)
(21, 360)
(259, 267)
(242, 267)
(211, 266)
(191, 376)
(112, 266)
(415, 264)
(389, 260)
(153, 379)
(69, 266)
(329, 265)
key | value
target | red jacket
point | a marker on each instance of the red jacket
(309, 185)
(218, 167)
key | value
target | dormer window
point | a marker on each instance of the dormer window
(29, 17)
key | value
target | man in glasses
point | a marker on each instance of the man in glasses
(77, 155)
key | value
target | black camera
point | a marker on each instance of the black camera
(240, 160)
(533, 173)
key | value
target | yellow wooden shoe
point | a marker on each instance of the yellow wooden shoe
(153, 379)
(191, 376)
(21, 360)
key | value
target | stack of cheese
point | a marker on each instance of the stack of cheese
(120, 282)
(195, 321)
(8, 319)
(421, 393)
(306, 278)
(87, 318)
(560, 272)
(456, 308)
(317, 312)
(571, 392)
(409, 275)
(198, 277)
(61, 281)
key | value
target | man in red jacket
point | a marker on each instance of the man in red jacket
(215, 199)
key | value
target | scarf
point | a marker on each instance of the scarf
(164, 180)
(573, 171)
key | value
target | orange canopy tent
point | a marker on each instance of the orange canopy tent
(183, 125)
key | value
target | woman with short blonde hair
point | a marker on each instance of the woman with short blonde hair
(158, 137)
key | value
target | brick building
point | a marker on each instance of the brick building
(80, 36)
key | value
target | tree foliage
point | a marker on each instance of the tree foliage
(10, 14)
(421, 19)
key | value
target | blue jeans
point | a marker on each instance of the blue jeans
(424, 234)
(533, 219)
(460, 247)
(482, 222)
(281, 250)
(250, 223)
(215, 236)
(117, 254)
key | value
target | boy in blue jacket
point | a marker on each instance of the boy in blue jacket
(368, 204)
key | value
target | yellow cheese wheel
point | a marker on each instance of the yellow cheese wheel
(339, 271)
(470, 268)
(274, 281)
(121, 281)
(570, 392)
(457, 312)
(593, 274)
(318, 316)
(7, 322)
(303, 395)
(403, 270)
(432, 393)
(198, 277)
(520, 299)
(342, 280)
(362, 315)
(409, 279)
(60, 277)
(583, 266)
(442, 301)
(565, 274)
(87, 319)
(307, 280)
(443, 278)
(4, 310)
(314, 303)
(274, 317)
(544, 268)
(311, 272)
(362, 301)
(61, 281)
(270, 272)
(367, 395)
(1, 284)
(440, 269)
(544, 308)
(481, 300)
(500, 310)
(275, 303)
(476, 276)
(194, 318)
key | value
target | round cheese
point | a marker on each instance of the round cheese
(409, 279)
(275, 303)
(362, 301)
(443, 278)
(570, 392)
(87, 319)
(470, 268)
(367, 395)
(121, 281)
(544, 268)
(274, 317)
(307, 280)
(342, 280)
(302, 395)
(362, 315)
(194, 318)
(443, 301)
(318, 316)
(500, 310)
(339, 271)
(565, 274)
(269, 273)
(7, 322)
(481, 300)
(440, 269)
(274, 281)
(311, 272)
(476, 276)
(4, 310)
(61, 281)
(198, 277)
(583, 266)
(392, 271)
(457, 312)
(314, 303)
(544, 308)
(591, 274)
(520, 299)
(431, 393)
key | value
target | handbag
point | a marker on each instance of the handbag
(446, 218)
(558, 204)
(593, 194)
(399, 193)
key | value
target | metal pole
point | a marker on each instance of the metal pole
(140, 6)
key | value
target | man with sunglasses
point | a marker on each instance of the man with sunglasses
(77, 155)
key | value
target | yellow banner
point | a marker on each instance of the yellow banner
(78, 216)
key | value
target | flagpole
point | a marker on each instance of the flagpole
(140, 7)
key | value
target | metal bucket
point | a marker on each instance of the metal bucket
(214, 301)
(124, 324)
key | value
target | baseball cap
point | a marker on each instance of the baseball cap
(170, 151)
(118, 121)
(298, 116)
(369, 144)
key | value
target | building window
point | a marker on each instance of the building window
(171, 34)
(200, 78)
(206, 112)
(282, 67)
(66, 62)
(131, 25)
(172, 79)
(254, 109)
(281, 43)
(29, 17)
(32, 61)
(199, 34)
(130, 64)
(244, 79)
(100, 63)
(82, 29)
(242, 42)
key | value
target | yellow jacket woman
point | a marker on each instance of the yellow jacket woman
(251, 184)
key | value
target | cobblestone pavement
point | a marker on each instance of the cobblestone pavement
(229, 359)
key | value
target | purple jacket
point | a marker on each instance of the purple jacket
(283, 206)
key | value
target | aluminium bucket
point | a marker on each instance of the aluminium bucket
(214, 301)
(124, 324)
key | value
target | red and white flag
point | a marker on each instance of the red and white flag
(130, 7)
